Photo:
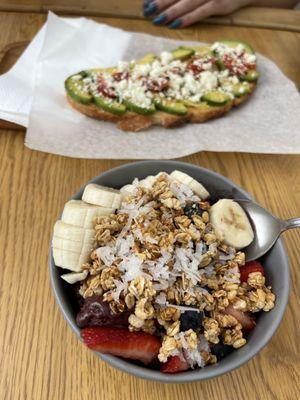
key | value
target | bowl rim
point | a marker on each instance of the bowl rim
(197, 374)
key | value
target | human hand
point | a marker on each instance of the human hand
(181, 13)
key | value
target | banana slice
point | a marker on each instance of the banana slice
(69, 259)
(102, 196)
(71, 245)
(79, 213)
(74, 277)
(231, 223)
(74, 233)
(194, 185)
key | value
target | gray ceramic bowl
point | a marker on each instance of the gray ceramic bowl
(275, 263)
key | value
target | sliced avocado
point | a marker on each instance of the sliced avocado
(240, 89)
(110, 106)
(201, 105)
(235, 43)
(182, 53)
(203, 50)
(216, 98)
(148, 59)
(99, 70)
(138, 109)
(251, 76)
(170, 106)
(84, 74)
(77, 90)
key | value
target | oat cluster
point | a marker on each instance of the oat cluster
(155, 261)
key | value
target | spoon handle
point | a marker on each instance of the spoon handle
(291, 223)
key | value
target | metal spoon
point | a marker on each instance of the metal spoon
(267, 229)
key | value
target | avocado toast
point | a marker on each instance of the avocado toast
(189, 84)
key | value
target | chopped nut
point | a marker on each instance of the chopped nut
(229, 286)
(144, 309)
(166, 195)
(204, 205)
(257, 300)
(240, 258)
(91, 286)
(205, 260)
(170, 314)
(182, 220)
(141, 287)
(232, 335)
(169, 344)
(149, 326)
(226, 320)
(116, 307)
(182, 237)
(239, 343)
(136, 287)
(240, 305)
(205, 217)
(191, 338)
(108, 297)
(194, 233)
(269, 301)
(211, 330)
(232, 295)
(256, 280)
(130, 301)
(135, 321)
(173, 329)
(198, 222)
(171, 203)
(210, 238)
(220, 293)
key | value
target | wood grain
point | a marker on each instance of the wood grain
(40, 359)
(259, 17)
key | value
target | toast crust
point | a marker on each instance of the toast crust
(133, 122)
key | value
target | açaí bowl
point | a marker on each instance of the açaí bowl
(275, 263)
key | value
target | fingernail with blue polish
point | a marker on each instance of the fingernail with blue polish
(160, 19)
(150, 9)
(175, 24)
(147, 3)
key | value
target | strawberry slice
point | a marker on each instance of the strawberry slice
(251, 266)
(246, 320)
(120, 342)
(173, 365)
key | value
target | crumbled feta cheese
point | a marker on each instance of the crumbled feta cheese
(122, 66)
(166, 57)
(208, 80)
(142, 69)
(250, 58)
(240, 49)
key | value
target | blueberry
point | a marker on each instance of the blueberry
(191, 320)
(221, 350)
(192, 209)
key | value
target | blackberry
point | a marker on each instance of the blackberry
(192, 209)
(221, 350)
(191, 320)
(96, 312)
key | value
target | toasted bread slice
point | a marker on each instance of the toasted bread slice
(133, 122)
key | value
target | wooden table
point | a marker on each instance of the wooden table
(40, 358)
